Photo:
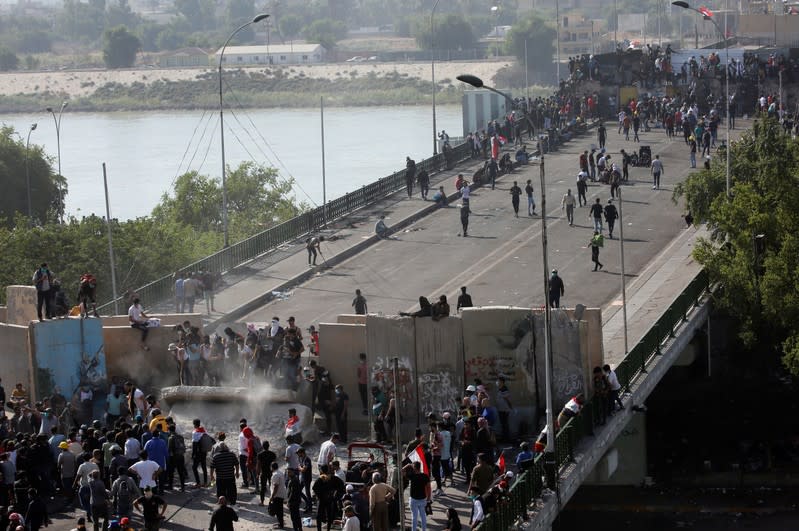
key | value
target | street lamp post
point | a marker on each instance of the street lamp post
(476, 82)
(708, 16)
(257, 18)
(549, 452)
(433, 74)
(28, 173)
(57, 121)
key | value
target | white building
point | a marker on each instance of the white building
(275, 54)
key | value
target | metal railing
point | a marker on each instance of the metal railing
(530, 484)
(303, 224)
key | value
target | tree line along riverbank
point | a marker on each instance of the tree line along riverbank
(245, 88)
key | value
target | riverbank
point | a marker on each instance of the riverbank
(342, 84)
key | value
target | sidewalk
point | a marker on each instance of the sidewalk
(650, 294)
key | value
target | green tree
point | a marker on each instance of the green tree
(120, 47)
(240, 12)
(326, 32)
(290, 26)
(759, 284)
(452, 32)
(45, 198)
(8, 59)
(257, 199)
(540, 38)
(198, 13)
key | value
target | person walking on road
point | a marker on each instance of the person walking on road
(692, 144)
(596, 212)
(592, 164)
(582, 187)
(313, 246)
(223, 517)
(657, 171)
(530, 200)
(597, 241)
(424, 183)
(465, 219)
(410, 175)
(556, 289)
(515, 195)
(611, 215)
(601, 135)
(567, 204)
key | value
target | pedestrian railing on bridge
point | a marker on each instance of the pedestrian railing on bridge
(290, 230)
(530, 484)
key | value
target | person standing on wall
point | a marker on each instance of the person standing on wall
(43, 280)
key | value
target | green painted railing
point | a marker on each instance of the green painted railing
(530, 484)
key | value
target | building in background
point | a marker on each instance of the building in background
(276, 54)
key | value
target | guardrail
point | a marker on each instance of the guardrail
(290, 230)
(530, 484)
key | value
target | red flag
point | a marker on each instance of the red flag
(706, 12)
(501, 463)
(417, 456)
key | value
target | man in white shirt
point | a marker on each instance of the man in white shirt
(292, 461)
(147, 471)
(327, 452)
(352, 522)
(279, 493)
(139, 401)
(615, 388)
(138, 320)
(132, 449)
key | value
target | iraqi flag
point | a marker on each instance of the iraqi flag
(501, 463)
(706, 12)
(417, 456)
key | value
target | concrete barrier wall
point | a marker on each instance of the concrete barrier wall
(387, 338)
(439, 364)
(339, 347)
(125, 358)
(3, 314)
(14, 356)
(351, 318)
(20, 305)
(68, 353)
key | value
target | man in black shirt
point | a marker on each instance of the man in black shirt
(225, 466)
(223, 517)
(149, 505)
(265, 459)
(306, 471)
(341, 405)
(421, 495)
(515, 195)
(556, 289)
(464, 299)
(359, 303)
(611, 214)
(596, 213)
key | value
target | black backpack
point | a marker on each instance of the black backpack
(178, 445)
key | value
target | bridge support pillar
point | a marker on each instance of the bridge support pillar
(625, 463)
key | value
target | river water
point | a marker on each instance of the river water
(145, 151)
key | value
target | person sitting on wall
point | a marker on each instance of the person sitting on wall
(440, 198)
(380, 228)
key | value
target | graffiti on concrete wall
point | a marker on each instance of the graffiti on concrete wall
(437, 392)
(383, 376)
(566, 382)
(487, 368)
